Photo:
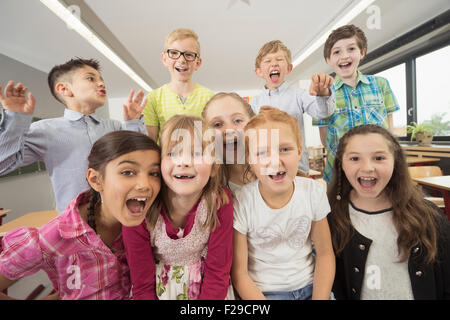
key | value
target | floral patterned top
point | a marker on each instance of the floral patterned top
(195, 264)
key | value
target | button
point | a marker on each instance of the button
(353, 290)
(416, 249)
(362, 247)
(356, 269)
(356, 107)
(419, 273)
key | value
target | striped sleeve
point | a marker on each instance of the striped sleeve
(150, 114)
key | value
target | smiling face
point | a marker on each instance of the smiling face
(274, 67)
(84, 91)
(345, 57)
(368, 164)
(275, 169)
(185, 170)
(228, 116)
(129, 186)
(181, 69)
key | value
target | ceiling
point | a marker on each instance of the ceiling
(230, 33)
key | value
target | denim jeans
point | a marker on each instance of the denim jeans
(304, 293)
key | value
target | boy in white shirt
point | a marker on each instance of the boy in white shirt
(273, 64)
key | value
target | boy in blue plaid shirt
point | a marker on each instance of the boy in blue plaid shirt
(360, 99)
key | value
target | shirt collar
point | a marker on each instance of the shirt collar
(360, 77)
(71, 225)
(281, 88)
(75, 115)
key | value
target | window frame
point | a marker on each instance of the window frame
(409, 59)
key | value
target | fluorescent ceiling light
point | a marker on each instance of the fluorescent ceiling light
(72, 21)
(349, 16)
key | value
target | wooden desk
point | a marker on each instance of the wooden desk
(414, 161)
(32, 219)
(440, 183)
(3, 213)
(435, 150)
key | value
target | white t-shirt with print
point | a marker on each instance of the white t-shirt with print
(279, 243)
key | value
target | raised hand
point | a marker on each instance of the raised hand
(14, 98)
(133, 109)
(321, 84)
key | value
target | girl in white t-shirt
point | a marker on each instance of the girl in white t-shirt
(229, 113)
(278, 216)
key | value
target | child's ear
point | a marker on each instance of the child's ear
(259, 73)
(290, 67)
(198, 63)
(300, 149)
(63, 88)
(363, 53)
(163, 58)
(94, 179)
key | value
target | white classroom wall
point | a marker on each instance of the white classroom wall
(28, 192)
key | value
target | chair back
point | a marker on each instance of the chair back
(424, 171)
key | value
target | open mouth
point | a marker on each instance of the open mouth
(367, 182)
(181, 69)
(183, 177)
(274, 76)
(230, 144)
(278, 176)
(102, 92)
(345, 65)
(136, 205)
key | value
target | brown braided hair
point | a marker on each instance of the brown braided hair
(93, 203)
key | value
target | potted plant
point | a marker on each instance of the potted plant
(423, 133)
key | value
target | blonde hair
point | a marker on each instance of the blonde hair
(272, 47)
(181, 34)
(213, 192)
(247, 108)
(225, 169)
(271, 114)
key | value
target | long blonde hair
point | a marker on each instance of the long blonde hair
(247, 109)
(213, 192)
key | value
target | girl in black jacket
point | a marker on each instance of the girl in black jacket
(389, 242)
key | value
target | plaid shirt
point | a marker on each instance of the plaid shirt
(78, 263)
(369, 102)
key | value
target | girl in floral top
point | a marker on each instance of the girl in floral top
(191, 234)
(81, 250)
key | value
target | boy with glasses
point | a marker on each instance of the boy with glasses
(181, 95)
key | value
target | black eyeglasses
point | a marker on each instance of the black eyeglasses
(175, 54)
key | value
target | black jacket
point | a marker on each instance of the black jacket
(427, 281)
